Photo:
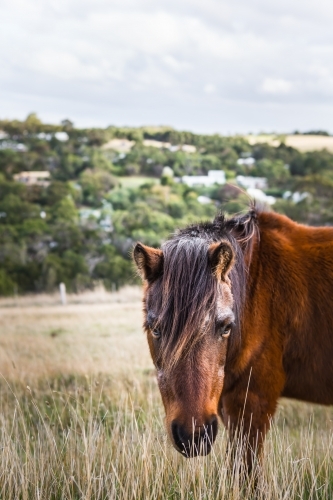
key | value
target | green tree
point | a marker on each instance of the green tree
(114, 270)
(11, 163)
(33, 125)
(56, 191)
(7, 285)
(65, 210)
(275, 171)
(95, 185)
(15, 210)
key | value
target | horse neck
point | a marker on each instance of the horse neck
(277, 285)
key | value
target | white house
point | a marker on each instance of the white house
(14, 146)
(246, 161)
(296, 197)
(61, 136)
(213, 177)
(33, 178)
(250, 182)
(204, 200)
(44, 136)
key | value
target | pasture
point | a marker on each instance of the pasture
(81, 415)
(135, 181)
(301, 142)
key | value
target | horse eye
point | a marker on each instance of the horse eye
(225, 330)
(156, 333)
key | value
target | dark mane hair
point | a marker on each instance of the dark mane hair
(189, 289)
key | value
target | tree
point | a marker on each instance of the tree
(275, 171)
(11, 163)
(114, 270)
(95, 185)
(141, 216)
(7, 285)
(56, 191)
(16, 210)
(210, 162)
(65, 210)
(67, 124)
(33, 125)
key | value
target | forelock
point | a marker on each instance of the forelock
(188, 292)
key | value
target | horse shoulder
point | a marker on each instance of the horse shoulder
(302, 305)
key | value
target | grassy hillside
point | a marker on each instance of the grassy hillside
(301, 142)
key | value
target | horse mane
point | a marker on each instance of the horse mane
(188, 288)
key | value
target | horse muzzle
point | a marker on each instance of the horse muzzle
(197, 442)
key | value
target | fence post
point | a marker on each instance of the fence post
(62, 288)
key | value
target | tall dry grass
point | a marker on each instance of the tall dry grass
(89, 424)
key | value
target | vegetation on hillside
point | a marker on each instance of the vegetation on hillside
(80, 228)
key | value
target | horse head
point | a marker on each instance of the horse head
(189, 321)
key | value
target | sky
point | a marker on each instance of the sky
(235, 66)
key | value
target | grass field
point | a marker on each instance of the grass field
(135, 181)
(81, 416)
(301, 142)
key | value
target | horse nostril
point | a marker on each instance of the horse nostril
(178, 436)
(197, 442)
(213, 425)
(207, 433)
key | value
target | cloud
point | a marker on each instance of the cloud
(131, 61)
(209, 88)
(276, 86)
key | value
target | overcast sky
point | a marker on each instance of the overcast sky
(202, 65)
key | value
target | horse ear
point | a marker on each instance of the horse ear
(149, 261)
(222, 257)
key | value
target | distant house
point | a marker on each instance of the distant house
(43, 136)
(14, 146)
(21, 148)
(33, 178)
(297, 196)
(249, 161)
(250, 182)
(213, 177)
(3, 135)
(204, 200)
(119, 145)
(61, 136)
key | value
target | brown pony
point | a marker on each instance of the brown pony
(238, 313)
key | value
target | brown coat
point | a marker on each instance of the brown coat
(280, 275)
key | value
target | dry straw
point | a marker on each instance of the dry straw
(101, 436)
